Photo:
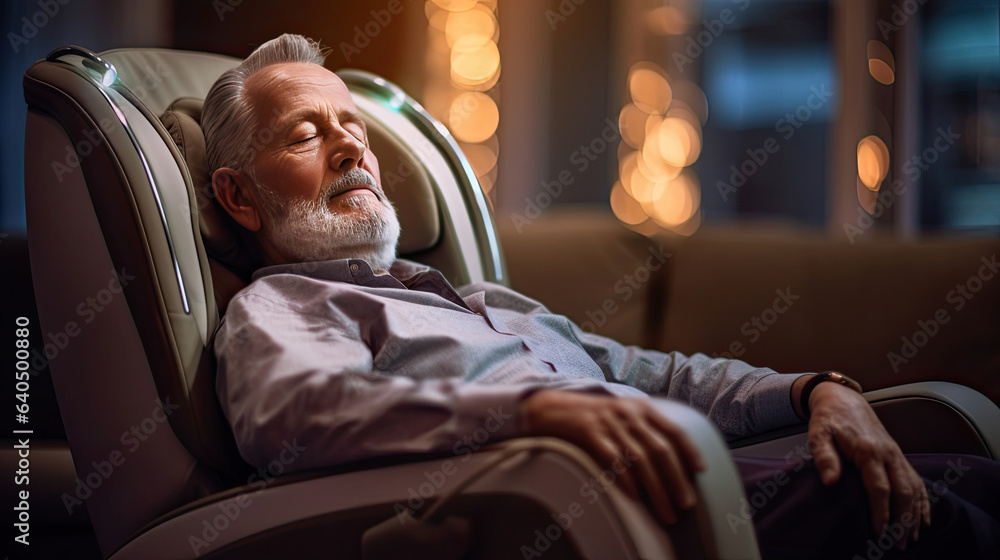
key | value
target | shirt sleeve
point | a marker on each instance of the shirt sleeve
(293, 379)
(738, 398)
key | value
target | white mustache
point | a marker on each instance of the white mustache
(352, 179)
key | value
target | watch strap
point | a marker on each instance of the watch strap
(826, 376)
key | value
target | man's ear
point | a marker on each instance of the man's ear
(232, 190)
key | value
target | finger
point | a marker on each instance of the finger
(923, 507)
(926, 501)
(824, 454)
(605, 450)
(905, 506)
(668, 462)
(649, 481)
(876, 482)
(685, 445)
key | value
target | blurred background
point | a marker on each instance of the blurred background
(671, 114)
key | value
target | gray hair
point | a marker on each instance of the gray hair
(228, 118)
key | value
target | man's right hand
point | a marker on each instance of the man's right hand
(662, 456)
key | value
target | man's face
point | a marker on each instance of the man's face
(319, 188)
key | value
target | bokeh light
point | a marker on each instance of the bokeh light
(625, 207)
(456, 5)
(632, 125)
(676, 201)
(648, 86)
(667, 20)
(873, 161)
(477, 21)
(463, 64)
(473, 117)
(881, 63)
(474, 59)
(680, 142)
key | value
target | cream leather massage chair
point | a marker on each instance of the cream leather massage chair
(119, 201)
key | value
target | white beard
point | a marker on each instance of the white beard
(307, 230)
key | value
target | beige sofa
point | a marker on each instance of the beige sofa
(882, 310)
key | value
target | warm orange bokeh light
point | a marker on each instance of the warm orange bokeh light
(632, 125)
(625, 207)
(436, 16)
(675, 202)
(667, 20)
(647, 84)
(474, 59)
(456, 5)
(873, 161)
(482, 158)
(473, 117)
(881, 63)
(680, 142)
(626, 167)
(881, 71)
(477, 21)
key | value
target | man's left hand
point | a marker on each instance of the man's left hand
(842, 419)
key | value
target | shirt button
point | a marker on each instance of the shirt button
(354, 267)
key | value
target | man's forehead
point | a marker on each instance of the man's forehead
(289, 86)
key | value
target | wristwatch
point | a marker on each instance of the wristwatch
(835, 377)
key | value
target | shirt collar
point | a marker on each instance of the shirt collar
(403, 274)
(351, 271)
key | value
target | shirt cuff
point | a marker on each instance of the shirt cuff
(495, 408)
(773, 401)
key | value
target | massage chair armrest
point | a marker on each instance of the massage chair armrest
(925, 417)
(715, 529)
(553, 474)
(939, 417)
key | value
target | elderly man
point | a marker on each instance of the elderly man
(358, 354)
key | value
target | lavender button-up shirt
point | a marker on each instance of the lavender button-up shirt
(354, 365)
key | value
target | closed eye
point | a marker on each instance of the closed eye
(303, 141)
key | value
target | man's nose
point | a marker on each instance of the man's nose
(347, 153)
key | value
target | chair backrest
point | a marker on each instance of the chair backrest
(131, 258)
